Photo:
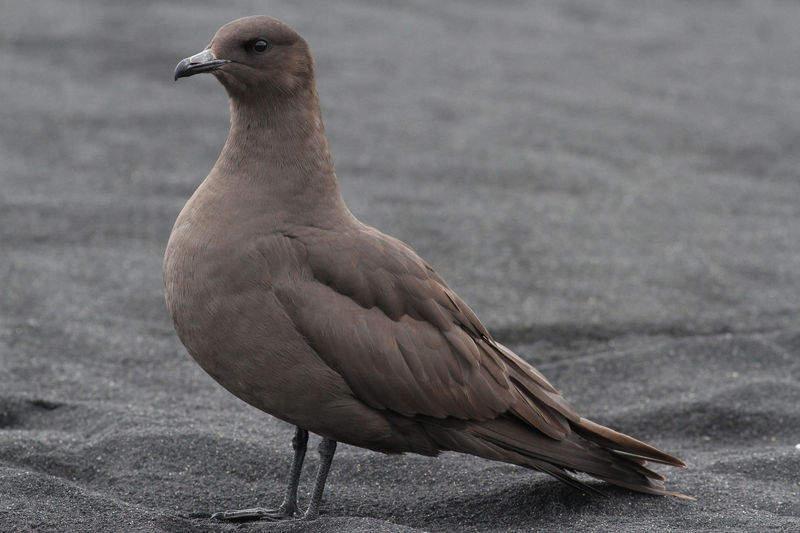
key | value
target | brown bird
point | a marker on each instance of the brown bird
(299, 309)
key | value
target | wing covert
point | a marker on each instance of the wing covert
(378, 315)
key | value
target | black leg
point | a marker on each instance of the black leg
(289, 505)
(326, 450)
(299, 444)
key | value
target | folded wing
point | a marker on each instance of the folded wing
(403, 341)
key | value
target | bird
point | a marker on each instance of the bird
(292, 304)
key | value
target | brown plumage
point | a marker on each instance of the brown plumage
(299, 309)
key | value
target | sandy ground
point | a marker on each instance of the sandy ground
(612, 186)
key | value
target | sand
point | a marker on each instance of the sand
(623, 210)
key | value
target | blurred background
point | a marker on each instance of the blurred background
(612, 186)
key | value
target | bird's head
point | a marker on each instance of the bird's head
(255, 57)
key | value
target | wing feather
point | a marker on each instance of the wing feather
(381, 317)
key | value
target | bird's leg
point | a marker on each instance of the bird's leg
(289, 505)
(299, 443)
(326, 450)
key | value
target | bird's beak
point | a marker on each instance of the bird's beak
(202, 62)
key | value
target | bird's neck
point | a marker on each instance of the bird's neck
(280, 147)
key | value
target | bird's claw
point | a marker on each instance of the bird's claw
(256, 513)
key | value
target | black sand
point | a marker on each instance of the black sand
(624, 209)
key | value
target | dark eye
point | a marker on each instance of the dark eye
(259, 46)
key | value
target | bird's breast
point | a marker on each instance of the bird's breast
(217, 289)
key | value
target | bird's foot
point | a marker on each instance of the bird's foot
(256, 513)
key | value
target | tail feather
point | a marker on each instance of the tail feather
(598, 451)
(623, 444)
(563, 475)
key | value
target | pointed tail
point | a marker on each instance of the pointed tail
(590, 448)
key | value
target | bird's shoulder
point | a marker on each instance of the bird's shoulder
(376, 270)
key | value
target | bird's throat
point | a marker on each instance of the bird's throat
(280, 145)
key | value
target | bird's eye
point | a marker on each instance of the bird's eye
(259, 46)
